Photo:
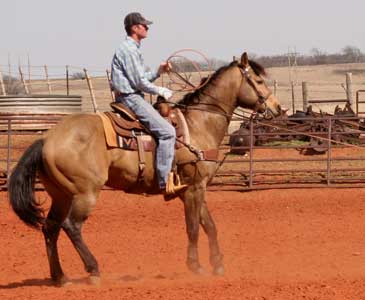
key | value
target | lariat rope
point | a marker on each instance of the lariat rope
(228, 116)
(193, 87)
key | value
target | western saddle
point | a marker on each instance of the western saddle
(132, 135)
(123, 130)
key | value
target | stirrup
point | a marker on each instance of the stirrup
(171, 187)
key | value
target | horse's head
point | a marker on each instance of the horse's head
(254, 92)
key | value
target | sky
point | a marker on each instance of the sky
(86, 33)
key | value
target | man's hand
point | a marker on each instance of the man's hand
(165, 92)
(165, 67)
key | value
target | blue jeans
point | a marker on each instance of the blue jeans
(162, 130)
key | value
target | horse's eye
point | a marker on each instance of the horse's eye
(260, 81)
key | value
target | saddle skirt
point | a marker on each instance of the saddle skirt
(123, 130)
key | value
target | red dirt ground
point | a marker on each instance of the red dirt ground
(278, 244)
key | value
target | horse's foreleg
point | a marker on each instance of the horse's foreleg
(216, 257)
(192, 204)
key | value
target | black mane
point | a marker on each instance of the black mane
(189, 98)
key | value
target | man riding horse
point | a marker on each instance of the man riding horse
(74, 162)
(129, 81)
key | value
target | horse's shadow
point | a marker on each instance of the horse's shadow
(40, 282)
(27, 283)
(48, 282)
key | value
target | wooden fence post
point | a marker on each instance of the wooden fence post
(275, 87)
(349, 88)
(110, 84)
(91, 89)
(9, 65)
(29, 74)
(293, 96)
(47, 79)
(305, 95)
(2, 84)
(67, 82)
(23, 81)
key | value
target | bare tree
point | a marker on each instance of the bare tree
(13, 86)
(352, 53)
(78, 75)
(319, 57)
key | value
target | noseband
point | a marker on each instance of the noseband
(261, 97)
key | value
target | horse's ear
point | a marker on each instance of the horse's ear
(244, 59)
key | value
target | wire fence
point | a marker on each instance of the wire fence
(71, 80)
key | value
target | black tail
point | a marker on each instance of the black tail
(21, 186)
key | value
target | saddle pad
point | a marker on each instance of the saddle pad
(110, 135)
(116, 141)
(116, 138)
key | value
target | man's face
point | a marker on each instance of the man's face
(140, 30)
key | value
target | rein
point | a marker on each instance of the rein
(189, 107)
(245, 75)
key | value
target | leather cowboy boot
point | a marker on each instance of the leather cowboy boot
(173, 187)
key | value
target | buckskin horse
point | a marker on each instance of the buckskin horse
(74, 163)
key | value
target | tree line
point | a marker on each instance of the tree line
(349, 54)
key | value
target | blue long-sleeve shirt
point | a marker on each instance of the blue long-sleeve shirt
(128, 72)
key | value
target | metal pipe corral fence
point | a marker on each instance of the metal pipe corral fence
(269, 166)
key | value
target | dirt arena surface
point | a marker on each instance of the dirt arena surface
(278, 244)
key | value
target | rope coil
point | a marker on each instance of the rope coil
(185, 84)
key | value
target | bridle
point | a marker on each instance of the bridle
(261, 100)
(261, 97)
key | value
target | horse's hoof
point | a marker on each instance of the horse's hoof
(94, 280)
(218, 271)
(62, 282)
(197, 270)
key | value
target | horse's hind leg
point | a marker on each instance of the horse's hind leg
(216, 257)
(81, 207)
(51, 231)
